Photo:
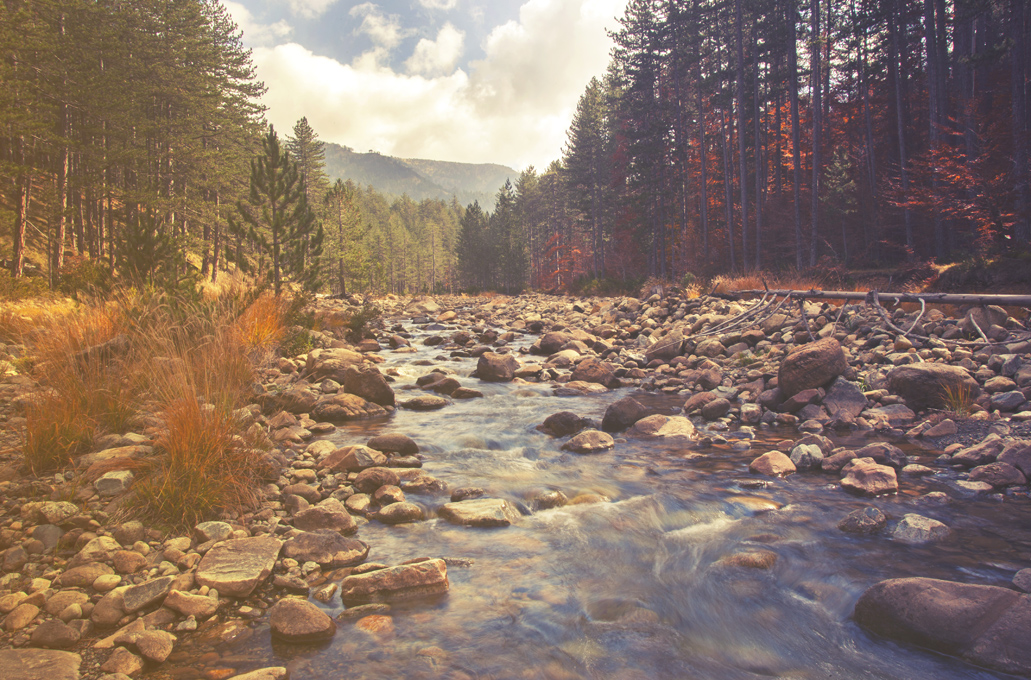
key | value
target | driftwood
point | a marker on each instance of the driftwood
(942, 298)
(769, 305)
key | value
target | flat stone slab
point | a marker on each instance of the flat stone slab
(145, 594)
(33, 664)
(328, 548)
(480, 512)
(237, 566)
(402, 582)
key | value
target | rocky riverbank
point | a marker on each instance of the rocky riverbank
(88, 592)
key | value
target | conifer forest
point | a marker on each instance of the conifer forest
(725, 136)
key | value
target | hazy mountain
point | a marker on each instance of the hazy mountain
(417, 177)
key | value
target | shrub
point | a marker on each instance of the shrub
(23, 287)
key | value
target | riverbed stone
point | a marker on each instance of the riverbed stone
(926, 385)
(236, 567)
(269, 673)
(593, 370)
(480, 512)
(212, 531)
(394, 442)
(300, 622)
(344, 406)
(866, 477)
(916, 529)
(425, 402)
(23, 615)
(146, 594)
(659, 425)
(319, 517)
(493, 367)
(772, 464)
(667, 347)
(100, 549)
(34, 664)
(122, 661)
(370, 479)
(1022, 580)
(562, 424)
(806, 456)
(866, 520)
(622, 414)
(844, 398)
(54, 634)
(392, 584)
(986, 625)
(367, 382)
(813, 365)
(999, 475)
(716, 408)
(114, 483)
(400, 513)
(328, 548)
(188, 604)
(590, 441)
(352, 459)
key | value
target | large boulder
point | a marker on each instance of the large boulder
(480, 512)
(813, 365)
(595, 371)
(331, 363)
(406, 581)
(236, 567)
(368, 383)
(866, 477)
(666, 347)
(986, 625)
(928, 385)
(622, 414)
(493, 367)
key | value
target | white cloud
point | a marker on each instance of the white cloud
(437, 57)
(310, 8)
(512, 107)
(256, 33)
(439, 4)
(385, 31)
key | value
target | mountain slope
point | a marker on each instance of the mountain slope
(418, 178)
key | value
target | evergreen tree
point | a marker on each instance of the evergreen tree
(475, 256)
(285, 227)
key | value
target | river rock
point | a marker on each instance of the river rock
(353, 458)
(1018, 456)
(392, 584)
(368, 383)
(926, 385)
(424, 403)
(270, 673)
(145, 594)
(813, 365)
(863, 521)
(492, 367)
(212, 531)
(986, 625)
(667, 347)
(100, 549)
(49, 512)
(236, 567)
(710, 347)
(916, 529)
(865, 476)
(197, 606)
(806, 456)
(593, 370)
(394, 442)
(590, 441)
(114, 483)
(57, 602)
(328, 548)
(716, 408)
(480, 512)
(23, 615)
(562, 424)
(331, 363)
(621, 414)
(370, 479)
(343, 406)
(300, 622)
(1022, 580)
(54, 634)
(122, 661)
(999, 475)
(319, 517)
(400, 513)
(155, 645)
(844, 398)
(658, 425)
(772, 464)
(34, 664)
(883, 453)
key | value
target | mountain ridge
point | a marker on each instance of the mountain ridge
(419, 178)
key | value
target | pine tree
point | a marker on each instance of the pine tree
(285, 226)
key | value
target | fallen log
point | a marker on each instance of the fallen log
(942, 298)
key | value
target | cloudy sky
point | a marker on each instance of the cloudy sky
(478, 81)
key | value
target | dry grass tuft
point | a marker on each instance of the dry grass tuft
(203, 466)
(262, 325)
(959, 400)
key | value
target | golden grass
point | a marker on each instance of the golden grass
(192, 361)
(958, 399)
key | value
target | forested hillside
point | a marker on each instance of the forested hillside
(732, 135)
(133, 146)
(418, 178)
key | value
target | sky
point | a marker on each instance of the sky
(475, 81)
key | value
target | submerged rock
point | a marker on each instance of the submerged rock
(406, 581)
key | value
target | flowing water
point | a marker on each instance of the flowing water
(634, 587)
